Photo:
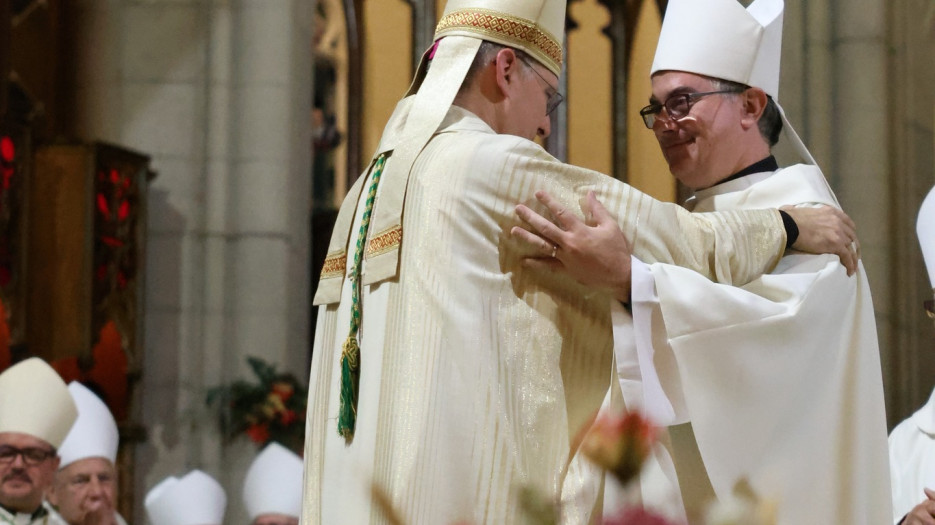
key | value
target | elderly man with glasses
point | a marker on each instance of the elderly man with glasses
(777, 382)
(36, 413)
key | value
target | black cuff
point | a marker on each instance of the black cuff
(792, 229)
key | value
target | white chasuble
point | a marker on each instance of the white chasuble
(780, 378)
(477, 373)
(912, 459)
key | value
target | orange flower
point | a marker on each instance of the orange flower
(258, 433)
(620, 444)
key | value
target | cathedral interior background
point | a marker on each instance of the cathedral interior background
(171, 170)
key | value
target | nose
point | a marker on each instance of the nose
(545, 127)
(94, 488)
(664, 122)
(19, 462)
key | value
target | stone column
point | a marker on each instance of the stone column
(219, 93)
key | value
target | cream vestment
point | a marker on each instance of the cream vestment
(476, 373)
(779, 378)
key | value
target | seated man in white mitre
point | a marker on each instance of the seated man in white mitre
(777, 381)
(85, 486)
(912, 442)
(272, 487)
(446, 378)
(36, 414)
(194, 499)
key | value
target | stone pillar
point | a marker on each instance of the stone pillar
(219, 93)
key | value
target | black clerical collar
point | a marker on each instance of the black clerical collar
(767, 164)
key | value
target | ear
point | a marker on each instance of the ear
(506, 65)
(754, 103)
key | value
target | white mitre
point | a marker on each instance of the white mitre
(925, 228)
(722, 39)
(273, 484)
(94, 434)
(195, 499)
(35, 401)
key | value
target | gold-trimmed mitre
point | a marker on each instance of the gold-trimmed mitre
(536, 27)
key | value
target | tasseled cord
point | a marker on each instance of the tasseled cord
(350, 352)
(350, 382)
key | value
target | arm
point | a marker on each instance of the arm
(596, 252)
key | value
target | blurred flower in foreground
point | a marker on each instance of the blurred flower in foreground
(620, 444)
(742, 507)
(636, 516)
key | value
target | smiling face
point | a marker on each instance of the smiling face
(23, 481)
(704, 147)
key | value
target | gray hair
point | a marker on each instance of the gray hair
(770, 123)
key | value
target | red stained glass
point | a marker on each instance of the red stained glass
(101, 272)
(121, 280)
(124, 210)
(7, 149)
(102, 205)
(111, 241)
(7, 177)
(114, 176)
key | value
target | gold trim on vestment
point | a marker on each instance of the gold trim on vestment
(384, 241)
(335, 266)
(510, 28)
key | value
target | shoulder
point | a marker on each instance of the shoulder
(797, 184)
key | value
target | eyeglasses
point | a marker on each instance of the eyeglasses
(555, 98)
(31, 456)
(929, 307)
(677, 106)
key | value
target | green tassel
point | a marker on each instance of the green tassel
(350, 381)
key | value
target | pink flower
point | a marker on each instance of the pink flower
(636, 516)
(620, 444)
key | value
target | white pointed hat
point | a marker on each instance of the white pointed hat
(34, 400)
(925, 228)
(195, 499)
(94, 434)
(273, 484)
(722, 39)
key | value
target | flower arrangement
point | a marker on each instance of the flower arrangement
(270, 409)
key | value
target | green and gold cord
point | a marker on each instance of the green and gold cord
(350, 353)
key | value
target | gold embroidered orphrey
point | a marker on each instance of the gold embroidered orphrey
(492, 23)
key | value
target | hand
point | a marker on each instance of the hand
(594, 253)
(923, 513)
(826, 229)
(100, 516)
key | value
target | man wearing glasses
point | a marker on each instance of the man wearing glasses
(912, 442)
(445, 375)
(777, 382)
(36, 413)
